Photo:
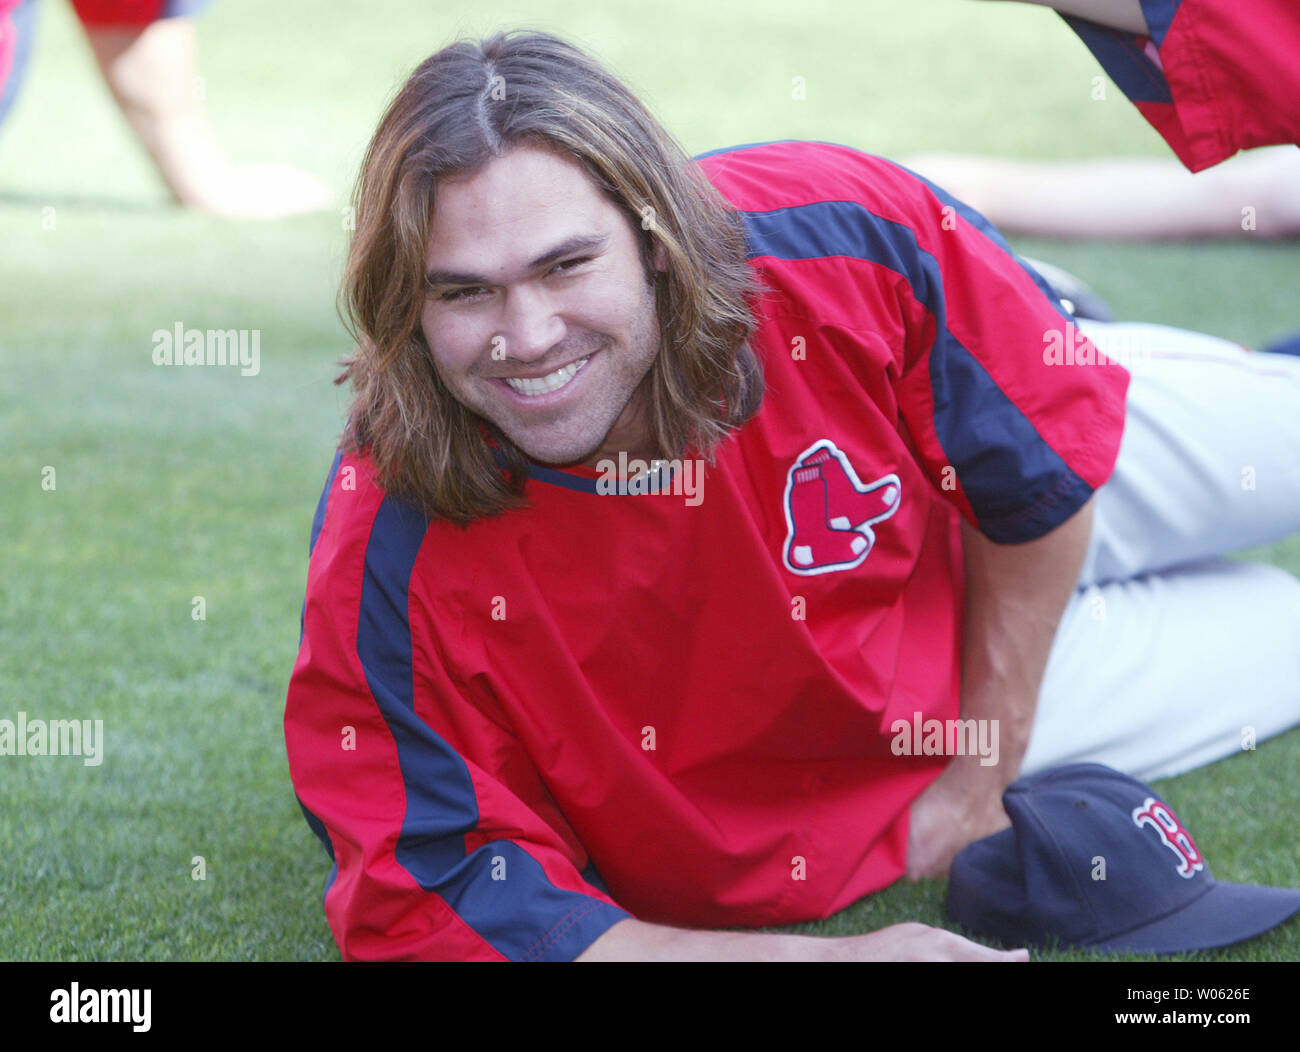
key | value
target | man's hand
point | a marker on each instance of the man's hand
(919, 942)
(633, 940)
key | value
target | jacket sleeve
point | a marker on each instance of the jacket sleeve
(418, 798)
(1213, 77)
(1014, 415)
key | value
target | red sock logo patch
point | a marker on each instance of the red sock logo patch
(830, 512)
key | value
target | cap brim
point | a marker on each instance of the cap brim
(1225, 914)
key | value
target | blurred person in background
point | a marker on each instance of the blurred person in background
(147, 51)
(1212, 77)
(1256, 194)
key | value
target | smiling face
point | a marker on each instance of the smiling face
(539, 315)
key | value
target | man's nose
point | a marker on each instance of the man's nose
(532, 326)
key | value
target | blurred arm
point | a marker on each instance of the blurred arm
(1127, 198)
(1119, 14)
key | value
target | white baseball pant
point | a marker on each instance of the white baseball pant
(1170, 656)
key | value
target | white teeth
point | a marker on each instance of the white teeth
(545, 384)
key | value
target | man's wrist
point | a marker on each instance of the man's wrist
(974, 776)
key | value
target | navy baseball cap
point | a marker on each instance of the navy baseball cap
(1096, 859)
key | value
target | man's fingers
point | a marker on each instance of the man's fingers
(912, 941)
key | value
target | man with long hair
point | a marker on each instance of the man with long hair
(701, 530)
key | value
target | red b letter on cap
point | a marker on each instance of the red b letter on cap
(1156, 814)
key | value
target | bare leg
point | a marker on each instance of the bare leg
(153, 75)
(1255, 194)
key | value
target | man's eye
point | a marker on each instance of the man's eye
(453, 295)
(570, 264)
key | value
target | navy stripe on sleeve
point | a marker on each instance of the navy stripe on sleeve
(1124, 60)
(1159, 15)
(1019, 487)
(183, 8)
(317, 827)
(991, 232)
(318, 520)
(499, 890)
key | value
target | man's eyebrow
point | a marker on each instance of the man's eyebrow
(578, 243)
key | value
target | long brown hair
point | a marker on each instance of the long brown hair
(463, 106)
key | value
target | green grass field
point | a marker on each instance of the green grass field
(173, 484)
